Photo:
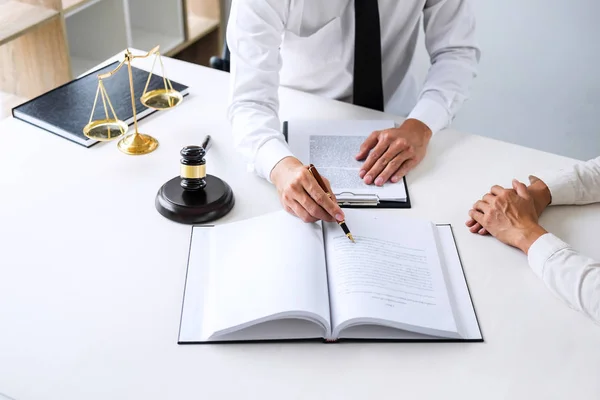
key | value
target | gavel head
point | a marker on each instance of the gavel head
(193, 168)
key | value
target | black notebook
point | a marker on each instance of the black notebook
(276, 278)
(331, 145)
(65, 110)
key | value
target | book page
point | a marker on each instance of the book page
(332, 146)
(391, 275)
(265, 268)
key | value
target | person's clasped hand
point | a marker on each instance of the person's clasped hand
(391, 153)
(301, 195)
(541, 199)
(510, 215)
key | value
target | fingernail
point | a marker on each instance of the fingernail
(339, 217)
(362, 173)
(368, 179)
(379, 181)
(395, 179)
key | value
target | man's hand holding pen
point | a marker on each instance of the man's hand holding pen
(301, 195)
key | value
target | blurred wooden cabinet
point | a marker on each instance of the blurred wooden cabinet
(46, 43)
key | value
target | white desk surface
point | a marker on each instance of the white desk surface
(91, 276)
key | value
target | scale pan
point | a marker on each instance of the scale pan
(105, 129)
(161, 99)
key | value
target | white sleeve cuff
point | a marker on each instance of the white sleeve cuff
(561, 186)
(268, 155)
(431, 113)
(542, 249)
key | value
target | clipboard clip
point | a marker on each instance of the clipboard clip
(354, 199)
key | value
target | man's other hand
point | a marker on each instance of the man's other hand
(391, 153)
(301, 195)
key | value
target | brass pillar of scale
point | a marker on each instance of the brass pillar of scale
(111, 127)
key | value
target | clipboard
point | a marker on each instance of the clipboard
(366, 201)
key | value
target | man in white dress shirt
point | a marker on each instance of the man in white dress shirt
(358, 51)
(512, 217)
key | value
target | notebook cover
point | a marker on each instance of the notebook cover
(68, 107)
(320, 339)
(381, 204)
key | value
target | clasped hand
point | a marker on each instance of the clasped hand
(511, 215)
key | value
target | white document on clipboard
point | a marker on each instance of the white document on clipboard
(331, 145)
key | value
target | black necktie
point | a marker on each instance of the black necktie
(368, 85)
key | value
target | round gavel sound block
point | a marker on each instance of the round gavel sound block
(194, 197)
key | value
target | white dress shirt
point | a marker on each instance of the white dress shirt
(571, 276)
(309, 45)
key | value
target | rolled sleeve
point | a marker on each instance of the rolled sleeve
(561, 185)
(432, 114)
(268, 155)
(579, 184)
(449, 27)
(254, 36)
(542, 250)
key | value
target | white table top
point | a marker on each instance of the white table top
(91, 276)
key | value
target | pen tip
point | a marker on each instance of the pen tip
(351, 238)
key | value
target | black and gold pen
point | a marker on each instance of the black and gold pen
(321, 182)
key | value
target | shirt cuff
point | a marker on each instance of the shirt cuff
(431, 113)
(542, 249)
(561, 186)
(268, 155)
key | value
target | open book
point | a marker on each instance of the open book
(275, 277)
(331, 145)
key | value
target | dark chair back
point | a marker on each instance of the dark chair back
(221, 63)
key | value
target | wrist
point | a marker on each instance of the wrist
(541, 195)
(528, 236)
(419, 126)
(285, 164)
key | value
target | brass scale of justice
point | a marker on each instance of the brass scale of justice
(193, 197)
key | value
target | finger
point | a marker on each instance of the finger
(497, 190)
(476, 228)
(308, 184)
(470, 222)
(392, 167)
(533, 179)
(380, 171)
(483, 231)
(322, 206)
(520, 188)
(476, 215)
(404, 169)
(489, 198)
(367, 145)
(289, 210)
(373, 157)
(331, 192)
(300, 212)
(481, 206)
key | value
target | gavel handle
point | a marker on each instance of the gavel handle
(206, 143)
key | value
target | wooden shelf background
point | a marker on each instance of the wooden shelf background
(68, 5)
(17, 18)
(45, 43)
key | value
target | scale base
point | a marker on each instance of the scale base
(137, 143)
(194, 207)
